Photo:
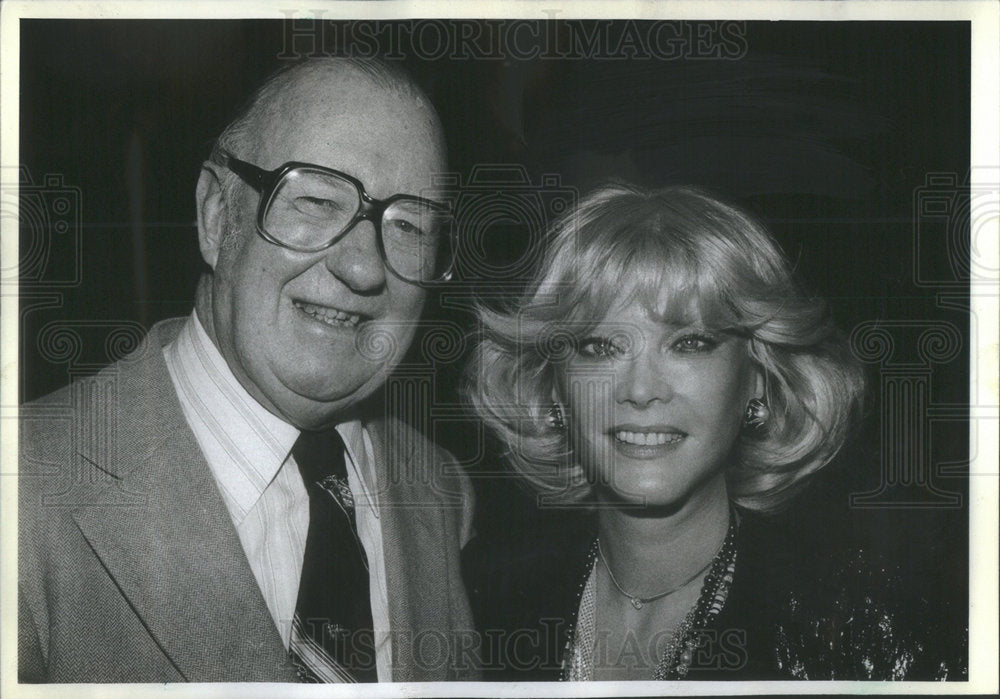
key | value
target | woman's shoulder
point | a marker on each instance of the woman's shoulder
(832, 608)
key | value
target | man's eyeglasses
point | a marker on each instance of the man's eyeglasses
(308, 208)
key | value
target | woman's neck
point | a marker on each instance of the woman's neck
(649, 553)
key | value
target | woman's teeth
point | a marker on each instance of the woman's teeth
(330, 316)
(646, 439)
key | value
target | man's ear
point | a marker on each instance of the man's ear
(211, 206)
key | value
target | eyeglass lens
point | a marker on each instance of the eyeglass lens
(310, 208)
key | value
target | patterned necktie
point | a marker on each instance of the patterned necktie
(332, 633)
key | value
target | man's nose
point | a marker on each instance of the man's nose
(644, 380)
(355, 259)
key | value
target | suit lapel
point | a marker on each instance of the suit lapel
(176, 556)
(413, 545)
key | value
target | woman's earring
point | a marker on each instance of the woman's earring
(555, 418)
(756, 414)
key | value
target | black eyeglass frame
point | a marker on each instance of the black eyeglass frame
(371, 209)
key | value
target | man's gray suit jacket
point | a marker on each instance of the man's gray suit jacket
(130, 569)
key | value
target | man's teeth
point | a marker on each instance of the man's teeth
(331, 316)
(646, 439)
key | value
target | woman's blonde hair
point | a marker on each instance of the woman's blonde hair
(710, 259)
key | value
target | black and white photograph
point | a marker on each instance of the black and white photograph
(649, 353)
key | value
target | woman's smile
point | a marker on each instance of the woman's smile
(651, 442)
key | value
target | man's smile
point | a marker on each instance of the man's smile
(329, 315)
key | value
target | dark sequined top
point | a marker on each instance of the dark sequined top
(796, 610)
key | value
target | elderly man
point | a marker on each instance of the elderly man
(225, 504)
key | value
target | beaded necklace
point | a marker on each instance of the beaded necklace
(676, 659)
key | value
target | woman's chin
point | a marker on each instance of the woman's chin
(657, 495)
(640, 496)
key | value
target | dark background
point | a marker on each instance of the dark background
(828, 131)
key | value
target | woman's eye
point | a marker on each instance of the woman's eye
(695, 343)
(600, 347)
(618, 346)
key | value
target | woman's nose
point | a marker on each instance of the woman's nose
(644, 380)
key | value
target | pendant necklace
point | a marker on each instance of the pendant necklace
(637, 601)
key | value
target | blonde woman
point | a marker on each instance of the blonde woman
(665, 370)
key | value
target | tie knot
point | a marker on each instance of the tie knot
(320, 454)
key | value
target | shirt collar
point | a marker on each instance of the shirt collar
(244, 443)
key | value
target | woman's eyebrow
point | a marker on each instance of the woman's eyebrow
(674, 322)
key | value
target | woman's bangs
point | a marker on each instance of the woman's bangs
(676, 286)
(627, 255)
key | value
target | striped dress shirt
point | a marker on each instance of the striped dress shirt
(248, 450)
